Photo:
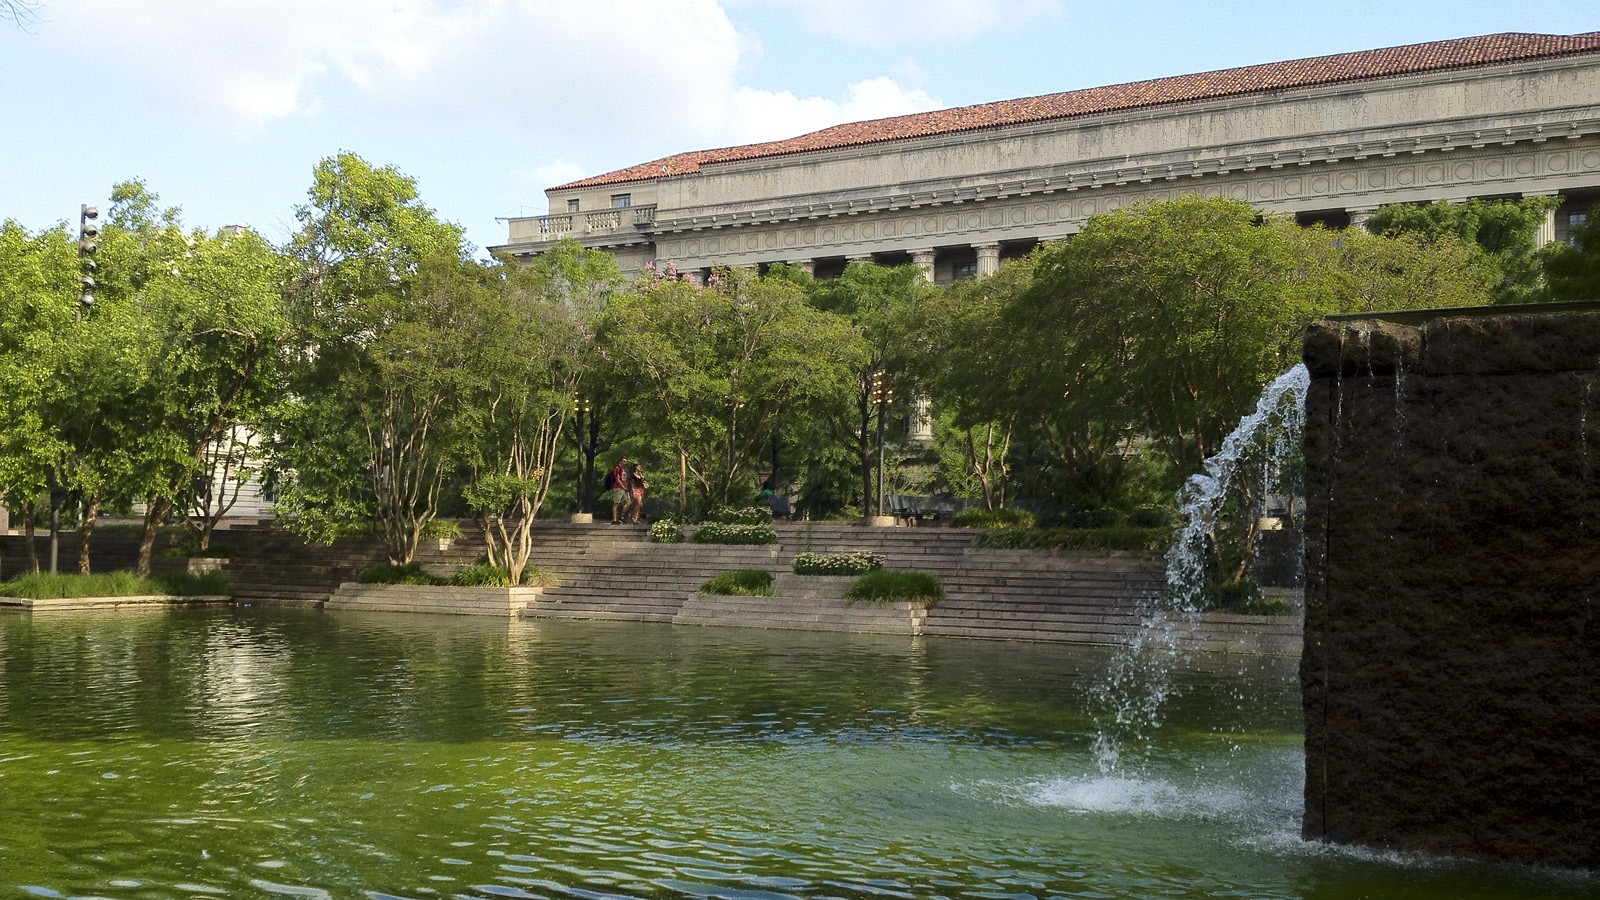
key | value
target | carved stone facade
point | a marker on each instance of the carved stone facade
(957, 203)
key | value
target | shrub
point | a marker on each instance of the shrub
(410, 573)
(718, 533)
(666, 531)
(481, 575)
(852, 563)
(977, 517)
(885, 586)
(749, 515)
(1150, 517)
(539, 576)
(448, 529)
(1244, 597)
(1138, 540)
(182, 584)
(191, 550)
(740, 583)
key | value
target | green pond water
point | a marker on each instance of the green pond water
(253, 753)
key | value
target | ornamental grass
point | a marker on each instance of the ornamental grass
(740, 583)
(64, 586)
(882, 586)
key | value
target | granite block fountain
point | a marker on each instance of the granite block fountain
(1452, 564)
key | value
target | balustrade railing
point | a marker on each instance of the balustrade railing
(603, 221)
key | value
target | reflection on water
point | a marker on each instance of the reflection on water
(305, 754)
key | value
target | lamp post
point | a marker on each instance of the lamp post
(581, 407)
(88, 246)
(883, 395)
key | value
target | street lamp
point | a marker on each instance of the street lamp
(581, 407)
(883, 395)
(88, 246)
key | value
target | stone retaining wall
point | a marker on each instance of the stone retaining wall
(1452, 566)
(614, 572)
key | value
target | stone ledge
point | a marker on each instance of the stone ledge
(146, 600)
(438, 599)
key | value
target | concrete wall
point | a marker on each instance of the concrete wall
(1452, 564)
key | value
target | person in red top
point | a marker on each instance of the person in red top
(636, 488)
(618, 484)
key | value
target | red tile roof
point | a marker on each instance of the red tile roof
(1454, 54)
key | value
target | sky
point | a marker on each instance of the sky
(223, 107)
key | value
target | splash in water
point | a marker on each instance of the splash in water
(1137, 682)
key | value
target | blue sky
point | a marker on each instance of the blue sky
(224, 107)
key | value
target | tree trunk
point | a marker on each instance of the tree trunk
(683, 481)
(863, 450)
(156, 511)
(91, 514)
(32, 541)
(56, 498)
(591, 451)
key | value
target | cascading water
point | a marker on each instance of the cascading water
(1137, 682)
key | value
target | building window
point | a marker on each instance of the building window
(1575, 222)
(621, 201)
(572, 206)
(964, 271)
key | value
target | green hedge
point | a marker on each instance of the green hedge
(740, 583)
(480, 575)
(666, 531)
(853, 563)
(888, 586)
(410, 573)
(1124, 537)
(1009, 517)
(720, 533)
(749, 515)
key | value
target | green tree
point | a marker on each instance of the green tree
(1160, 323)
(882, 304)
(38, 297)
(1572, 271)
(212, 307)
(384, 359)
(714, 368)
(970, 368)
(1507, 231)
(536, 329)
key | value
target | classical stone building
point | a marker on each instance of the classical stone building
(955, 191)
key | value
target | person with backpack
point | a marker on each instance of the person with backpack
(617, 483)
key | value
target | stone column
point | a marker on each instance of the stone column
(1360, 214)
(1547, 228)
(921, 406)
(988, 259)
(696, 276)
(921, 420)
(809, 265)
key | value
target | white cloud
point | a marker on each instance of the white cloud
(638, 70)
(768, 115)
(591, 84)
(887, 22)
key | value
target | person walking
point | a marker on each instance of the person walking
(636, 488)
(617, 484)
